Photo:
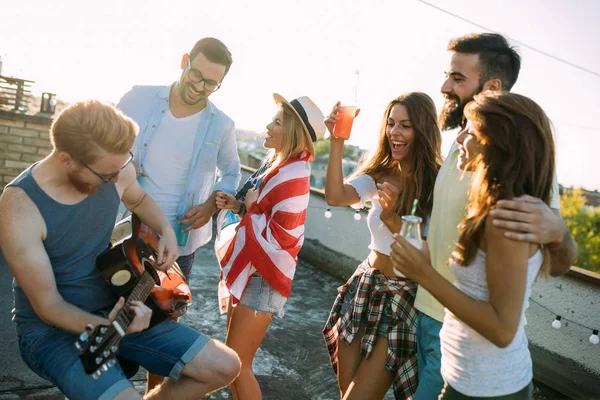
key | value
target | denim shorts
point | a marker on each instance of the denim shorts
(163, 349)
(260, 296)
(386, 317)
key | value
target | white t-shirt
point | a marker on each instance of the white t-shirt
(381, 236)
(168, 161)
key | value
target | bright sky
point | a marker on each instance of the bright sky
(313, 47)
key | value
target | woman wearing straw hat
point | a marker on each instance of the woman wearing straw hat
(371, 330)
(259, 262)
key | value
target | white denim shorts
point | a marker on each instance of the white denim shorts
(260, 296)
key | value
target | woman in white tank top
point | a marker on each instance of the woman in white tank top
(507, 143)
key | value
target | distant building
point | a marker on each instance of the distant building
(251, 159)
(592, 197)
(252, 153)
(319, 170)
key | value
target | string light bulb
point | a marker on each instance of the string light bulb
(357, 215)
(328, 213)
(556, 324)
(594, 339)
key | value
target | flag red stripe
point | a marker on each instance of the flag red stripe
(290, 188)
(289, 220)
(285, 239)
(279, 226)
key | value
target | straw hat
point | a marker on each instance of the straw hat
(309, 114)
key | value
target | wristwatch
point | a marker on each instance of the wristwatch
(242, 210)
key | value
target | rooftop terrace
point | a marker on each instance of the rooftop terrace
(293, 362)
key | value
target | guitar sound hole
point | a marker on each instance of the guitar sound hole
(120, 278)
(149, 267)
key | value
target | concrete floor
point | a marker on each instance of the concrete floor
(292, 363)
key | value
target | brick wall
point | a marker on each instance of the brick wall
(23, 140)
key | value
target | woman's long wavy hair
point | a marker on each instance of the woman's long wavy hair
(424, 157)
(517, 159)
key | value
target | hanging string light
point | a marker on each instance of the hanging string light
(594, 339)
(328, 213)
(556, 324)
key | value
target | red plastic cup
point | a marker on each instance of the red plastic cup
(343, 125)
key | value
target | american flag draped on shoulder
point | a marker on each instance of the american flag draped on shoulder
(270, 235)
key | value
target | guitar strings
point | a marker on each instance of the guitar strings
(142, 290)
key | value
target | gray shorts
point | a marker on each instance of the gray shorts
(260, 296)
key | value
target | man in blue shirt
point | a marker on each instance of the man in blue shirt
(183, 139)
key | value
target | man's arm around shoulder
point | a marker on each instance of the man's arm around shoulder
(562, 253)
(529, 219)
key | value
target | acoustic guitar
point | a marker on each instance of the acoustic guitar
(127, 266)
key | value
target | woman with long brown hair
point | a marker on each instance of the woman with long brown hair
(371, 330)
(508, 146)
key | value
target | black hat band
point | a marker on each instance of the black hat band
(300, 110)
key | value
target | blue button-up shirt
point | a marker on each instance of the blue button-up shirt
(214, 147)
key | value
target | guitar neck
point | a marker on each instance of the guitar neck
(140, 292)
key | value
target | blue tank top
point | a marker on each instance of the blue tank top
(76, 234)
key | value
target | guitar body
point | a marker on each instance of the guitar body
(127, 266)
(122, 265)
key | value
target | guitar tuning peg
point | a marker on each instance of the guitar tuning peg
(114, 349)
(84, 337)
(97, 374)
(78, 346)
(106, 353)
(98, 360)
(111, 362)
(98, 339)
(103, 330)
(93, 348)
(104, 367)
(89, 328)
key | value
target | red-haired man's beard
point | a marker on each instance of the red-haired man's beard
(80, 185)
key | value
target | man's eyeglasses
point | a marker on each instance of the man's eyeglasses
(105, 179)
(196, 76)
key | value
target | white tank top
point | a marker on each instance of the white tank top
(381, 236)
(472, 364)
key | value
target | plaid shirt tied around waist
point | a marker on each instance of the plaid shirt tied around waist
(374, 292)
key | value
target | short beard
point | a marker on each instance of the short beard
(451, 115)
(183, 87)
(80, 186)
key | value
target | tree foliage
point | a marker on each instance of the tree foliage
(321, 147)
(351, 152)
(584, 224)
